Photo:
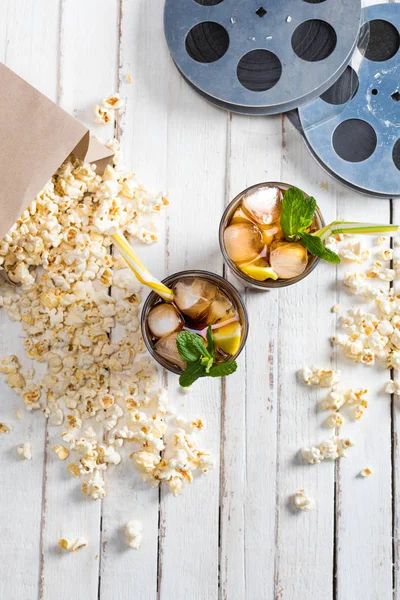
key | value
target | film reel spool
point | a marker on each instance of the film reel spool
(353, 130)
(261, 57)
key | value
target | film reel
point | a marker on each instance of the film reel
(353, 129)
(261, 57)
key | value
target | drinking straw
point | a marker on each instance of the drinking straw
(354, 227)
(138, 268)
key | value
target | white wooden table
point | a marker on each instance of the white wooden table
(230, 535)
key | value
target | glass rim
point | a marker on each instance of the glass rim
(268, 283)
(236, 297)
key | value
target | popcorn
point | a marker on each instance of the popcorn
(24, 451)
(336, 308)
(315, 376)
(61, 451)
(72, 545)
(366, 472)
(331, 449)
(102, 115)
(393, 387)
(334, 420)
(353, 252)
(302, 502)
(133, 534)
(385, 254)
(98, 384)
(5, 428)
(382, 239)
(113, 102)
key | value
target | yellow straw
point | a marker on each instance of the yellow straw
(356, 228)
(138, 268)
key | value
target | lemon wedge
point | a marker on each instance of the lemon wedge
(259, 272)
(228, 337)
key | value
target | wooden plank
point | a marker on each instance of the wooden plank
(364, 519)
(143, 129)
(22, 49)
(395, 211)
(248, 442)
(196, 181)
(88, 61)
(304, 560)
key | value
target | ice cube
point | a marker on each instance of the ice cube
(167, 348)
(193, 296)
(272, 233)
(288, 259)
(264, 204)
(163, 320)
(240, 216)
(243, 242)
(220, 310)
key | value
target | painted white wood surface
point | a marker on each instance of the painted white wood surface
(231, 534)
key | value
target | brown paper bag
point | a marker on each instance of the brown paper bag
(36, 136)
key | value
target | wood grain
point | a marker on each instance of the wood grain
(231, 535)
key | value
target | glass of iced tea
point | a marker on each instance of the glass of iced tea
(253, 244)
(201, 299)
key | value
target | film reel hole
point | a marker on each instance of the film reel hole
(396, 154)
(259, 70)
(314, 40)
(379, 40)
(374, 92)
(343, 90)
(207, 42)
(396, 96)
(314, 1)
(261, 12)
(354, 140)
(208, 2)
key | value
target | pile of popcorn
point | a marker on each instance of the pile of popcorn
(97, 384)
(373, 335)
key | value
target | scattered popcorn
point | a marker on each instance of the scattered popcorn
(366, 472)
(24, 451)
(385, 254)
(98, 385)
(382, 239)
(128, 78)
(336, 308)
(316, 376)
(334, 420)
(328, 450)
(133, 534)
(113, 102)
(393, 387)
(5, 428)
(72, 545)
(302, 502)
(102, 115)
(19, 415)
(61, 452)
(353, 252)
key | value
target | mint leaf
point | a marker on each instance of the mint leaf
(193, 371)
(191, 346)
(316, 247)
(297, 213)
(224, 369)
(207, 363)
(210, 341)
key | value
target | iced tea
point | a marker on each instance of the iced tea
(252, 239)
(201, 299)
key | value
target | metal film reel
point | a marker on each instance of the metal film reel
(261, 57)
(353, 130)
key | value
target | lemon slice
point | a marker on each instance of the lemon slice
(259, 272)
(228, 337)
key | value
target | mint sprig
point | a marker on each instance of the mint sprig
(297, 215)
(199, 358)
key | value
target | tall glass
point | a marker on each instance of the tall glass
(268, 283)
(227, 288)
